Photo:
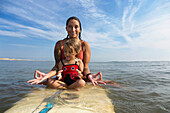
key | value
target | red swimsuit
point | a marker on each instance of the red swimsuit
(70, 75)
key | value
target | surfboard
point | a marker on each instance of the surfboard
(89, 99)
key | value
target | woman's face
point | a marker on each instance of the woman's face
(73, 28)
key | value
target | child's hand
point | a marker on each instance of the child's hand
(79, 73)
(59, 74)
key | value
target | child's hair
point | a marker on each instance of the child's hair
(73, 44)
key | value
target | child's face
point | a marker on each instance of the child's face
(69, 53)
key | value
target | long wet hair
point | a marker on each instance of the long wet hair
(74, 18)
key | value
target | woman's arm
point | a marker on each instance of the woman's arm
(57, 56)
(54, 71)
(86, 57)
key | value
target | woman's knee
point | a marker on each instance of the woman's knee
(50, 81)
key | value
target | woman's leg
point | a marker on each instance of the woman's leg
(53, 83)
(78, 84)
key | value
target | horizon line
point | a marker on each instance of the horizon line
(15, 59)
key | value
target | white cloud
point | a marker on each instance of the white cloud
(41, 19)
(118, 2)
(151, 31)
(100, 40)
(140, 27)
(12, 34)
(127, 20)
(28, 31)
(23, 45)
(154, 32)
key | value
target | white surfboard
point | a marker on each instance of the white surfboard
(88, 100)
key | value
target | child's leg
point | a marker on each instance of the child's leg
(112, 83)
(53, 83)
(78, 84)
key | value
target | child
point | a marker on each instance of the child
(71, 66)
(70, 69)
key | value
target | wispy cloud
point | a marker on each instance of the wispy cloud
(39, 18)
(12, 34)
(147, 32)
(100, 39)
(28, 31)
(154, 29)
(118, 2)
(108, 21)
(130, 25)
(24, 45)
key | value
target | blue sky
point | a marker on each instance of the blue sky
(117, 30)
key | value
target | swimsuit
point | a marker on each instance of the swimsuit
(70, 75)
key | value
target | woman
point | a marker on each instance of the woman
(73, 28)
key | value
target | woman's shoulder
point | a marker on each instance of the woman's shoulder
(60, 42)
(85, 45)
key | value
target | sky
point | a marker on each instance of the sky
(116, 30)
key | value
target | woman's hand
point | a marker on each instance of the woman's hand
(96, 79)
(38, 79)
(41, 74)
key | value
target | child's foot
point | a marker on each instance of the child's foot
(77, 89)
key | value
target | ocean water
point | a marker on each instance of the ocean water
(145, 86)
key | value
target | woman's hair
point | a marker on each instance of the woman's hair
(73, 44)
(74, 18)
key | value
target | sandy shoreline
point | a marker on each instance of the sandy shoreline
(15, 59)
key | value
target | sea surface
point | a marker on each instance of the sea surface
(145, 86)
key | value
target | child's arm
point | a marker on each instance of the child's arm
(60, 71)
(81, 67)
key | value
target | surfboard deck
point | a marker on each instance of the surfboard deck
(89, 99)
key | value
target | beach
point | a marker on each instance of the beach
(15, 59)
